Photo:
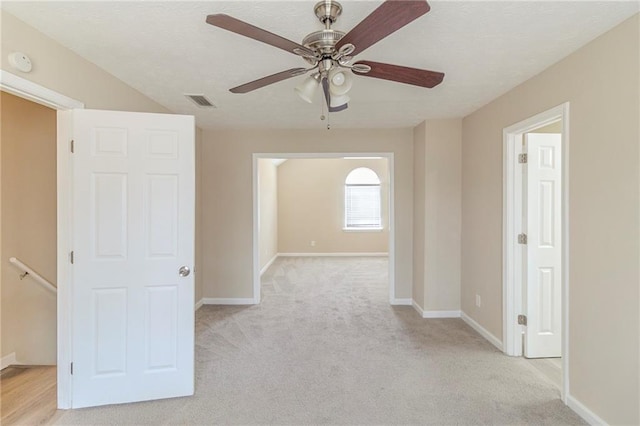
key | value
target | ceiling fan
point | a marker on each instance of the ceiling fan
(330, 52)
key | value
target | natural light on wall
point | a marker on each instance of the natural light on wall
(362, 200)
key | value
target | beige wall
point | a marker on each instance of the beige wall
(28, 192)
(227, 200)
(58, 68)
(550, 128)
(61, 70)
(311, 207)
(601, 82)
(419, 182)
(442, 214)
(198, 237)
(437, 213)
(268, 210)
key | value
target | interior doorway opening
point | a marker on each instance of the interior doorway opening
(29, 260)
(28, 90)
(312, 210)
(535, 246)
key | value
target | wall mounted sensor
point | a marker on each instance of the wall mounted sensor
(20, 61)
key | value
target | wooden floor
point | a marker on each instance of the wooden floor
(28, 395)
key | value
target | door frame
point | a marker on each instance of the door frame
(512, 225)
(303, 155)
(34, 92)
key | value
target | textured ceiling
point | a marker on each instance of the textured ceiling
(165, 49)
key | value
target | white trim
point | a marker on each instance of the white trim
(199, 304)
(64, 279)
(482, 331)
(36, 93)
(372, 254)
(26, 89)
(417, 307)
(401, 302)
(373, 229)
(434, 314)
(8, 360)
(565, 252)
(588, 415)
(269, 263)
(256, 214)
(440, 314)
(512, 265)
(228, 301)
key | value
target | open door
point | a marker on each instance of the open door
(132, 293)
(544, 246)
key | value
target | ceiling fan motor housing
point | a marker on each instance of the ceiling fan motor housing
(323, 42)
(327, 10)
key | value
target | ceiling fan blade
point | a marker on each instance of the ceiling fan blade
(237, 26)
(389, 17)
(414, 76)
(265, 81)
(327, 97)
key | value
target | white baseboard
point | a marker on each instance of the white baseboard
(417, 307)
(434, 314)
(588, 415)
(199, 304)
(8, 360)
(269, 263)
(441, 314)
(333, 254)
(483, 331)
(228, 301)
(401, 302)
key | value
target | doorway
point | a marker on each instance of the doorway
(30, 91)
(535, 244)
(30, 241)
(261, 262)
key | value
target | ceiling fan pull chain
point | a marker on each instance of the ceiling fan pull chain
(322, 116)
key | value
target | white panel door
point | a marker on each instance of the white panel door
(133, 229)
(544, 246)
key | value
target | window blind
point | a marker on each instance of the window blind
(362, 206)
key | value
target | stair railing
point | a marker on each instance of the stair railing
(33, 274)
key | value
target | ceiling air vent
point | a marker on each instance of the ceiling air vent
(200, 100)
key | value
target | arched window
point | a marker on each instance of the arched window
(362, 200)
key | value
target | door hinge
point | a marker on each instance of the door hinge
(72, 369)
(522, 319)
(72, 146)
(522, 238)
(522, 158)
(71, 257)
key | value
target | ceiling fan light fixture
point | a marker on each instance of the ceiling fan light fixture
(338, 101)
(340, 81)
(331, 52)
(308, 88)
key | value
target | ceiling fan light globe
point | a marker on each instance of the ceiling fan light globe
(307, 89)
(338, 79)
(340, 82)
(337, 101)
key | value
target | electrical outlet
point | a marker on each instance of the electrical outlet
(313, 243)
(478, 300)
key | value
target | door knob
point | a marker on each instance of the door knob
(184, 271)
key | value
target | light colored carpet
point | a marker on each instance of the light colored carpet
(325, 347)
